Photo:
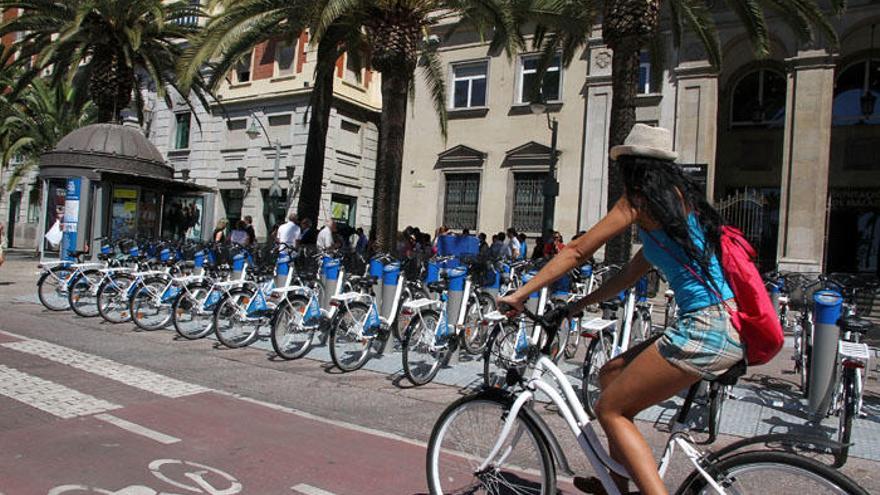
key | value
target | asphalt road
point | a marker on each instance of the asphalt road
(140, 413)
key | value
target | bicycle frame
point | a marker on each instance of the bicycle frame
(346, 297)
(578, 422)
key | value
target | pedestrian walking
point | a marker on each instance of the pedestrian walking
(289, 231)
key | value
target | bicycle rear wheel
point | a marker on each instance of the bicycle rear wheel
(82, 295)
(190, 317)
(290, 339)
(113, 298)
(52, 288)
(147, 309)
(421, 356)
(750, 472)
(465, 435)
(232, 326)
(846, 415)
(349, 349)
(598, 353)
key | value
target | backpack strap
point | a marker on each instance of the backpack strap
(691, 270)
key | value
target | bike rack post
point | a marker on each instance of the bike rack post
(237, 267)
(532, 302)
(329, 277)
(282, 270)
(823, 357)
(390, 280)
(494, 282)
(376, 267)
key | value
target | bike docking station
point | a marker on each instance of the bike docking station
(459, 287)
(823, 356)
(332, 275)
(392, 285)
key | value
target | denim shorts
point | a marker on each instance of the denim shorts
(704, 342)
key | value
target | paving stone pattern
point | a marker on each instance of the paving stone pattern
(129, 375)
(50, 397)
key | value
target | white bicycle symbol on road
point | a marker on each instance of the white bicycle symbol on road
(185, 475)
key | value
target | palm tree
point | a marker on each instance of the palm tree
(628, 26)
(397, 36)
(390, 36)
(33, 122)
(112, 47)
(238, 26)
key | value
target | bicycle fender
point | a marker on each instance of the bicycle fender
(552, 442)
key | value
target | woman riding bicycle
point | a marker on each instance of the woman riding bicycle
(680, 234)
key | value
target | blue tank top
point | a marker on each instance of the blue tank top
(690, 294)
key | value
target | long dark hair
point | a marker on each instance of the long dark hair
(662, 190)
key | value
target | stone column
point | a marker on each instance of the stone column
(696, 117)
(805, 161)
(597, 117)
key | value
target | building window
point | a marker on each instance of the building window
(189, 20)
(243, 69)
(469, 84)
(343, 209)
(758, 99)
(528, 201)
(853, 91)
(35, 199)
(181, 130)
(352, 72)
(461, 200)
(644, 74)
(551, 87)
(284, 54)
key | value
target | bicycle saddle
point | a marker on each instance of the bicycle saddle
(609, 305)
(854, 324)
(730, 376)
(438, 286)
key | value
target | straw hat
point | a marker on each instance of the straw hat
(647, 141)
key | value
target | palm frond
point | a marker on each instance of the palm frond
(435, 81)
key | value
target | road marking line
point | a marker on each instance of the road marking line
(310, 490)
(123, 373)
(137, 429)
(51, 397)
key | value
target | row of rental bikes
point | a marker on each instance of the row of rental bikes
(491, 441)
(429, 310)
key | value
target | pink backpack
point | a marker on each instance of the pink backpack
(755, 318)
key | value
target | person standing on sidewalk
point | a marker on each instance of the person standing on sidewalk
(2, 244)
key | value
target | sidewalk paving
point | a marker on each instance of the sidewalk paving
(766, 399)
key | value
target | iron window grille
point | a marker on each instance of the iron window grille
(461, 201)
(528, 201)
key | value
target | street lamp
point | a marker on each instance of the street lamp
(551, 187)
(275, 190)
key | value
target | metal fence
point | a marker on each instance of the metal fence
(746, 210)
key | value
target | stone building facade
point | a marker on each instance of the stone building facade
(226, 146)
(787, 144)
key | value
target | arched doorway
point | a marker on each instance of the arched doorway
(853, 243)
(749, 157)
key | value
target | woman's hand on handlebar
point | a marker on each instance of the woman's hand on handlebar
(511, 305)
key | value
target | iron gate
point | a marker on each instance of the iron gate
(746, 210)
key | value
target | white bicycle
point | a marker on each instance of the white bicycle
(494, 442)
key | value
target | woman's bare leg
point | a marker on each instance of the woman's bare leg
(645, 381)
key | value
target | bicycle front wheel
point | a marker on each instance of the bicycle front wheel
(749, 472)
(465, 435)
(422, 356)
(475, 333)
(82, 295)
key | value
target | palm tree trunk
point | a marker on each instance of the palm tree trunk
(392, 127)
(625, 79)
(320, 103)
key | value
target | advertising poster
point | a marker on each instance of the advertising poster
(71, 216)
(123, 214)
(182, 218)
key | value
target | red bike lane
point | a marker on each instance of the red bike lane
(206, 443)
